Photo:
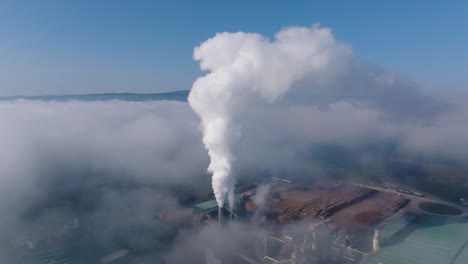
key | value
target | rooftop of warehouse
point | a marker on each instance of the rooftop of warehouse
(211, 205)
(430, 239)
(207, 205)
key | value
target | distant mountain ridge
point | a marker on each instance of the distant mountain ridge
(180, 96)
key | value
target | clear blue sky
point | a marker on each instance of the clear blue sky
(66, 47)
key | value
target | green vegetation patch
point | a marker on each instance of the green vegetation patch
(441, 209)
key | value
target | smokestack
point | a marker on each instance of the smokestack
(376, 241)
(219, 214)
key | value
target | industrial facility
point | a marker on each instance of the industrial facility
(295, 222)
(342, 223)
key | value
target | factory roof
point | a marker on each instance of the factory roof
(205, 207)
(432, 239)
(210, 206)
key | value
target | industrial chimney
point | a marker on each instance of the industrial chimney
(219, 214)
(376, 241)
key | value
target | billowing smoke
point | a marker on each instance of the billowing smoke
(261, 195)
(244, 69)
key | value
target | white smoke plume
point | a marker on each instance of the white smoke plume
(261, 196)
(245, 69)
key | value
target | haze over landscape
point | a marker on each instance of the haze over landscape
(298, 126)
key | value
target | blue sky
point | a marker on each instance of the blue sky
(67, 47)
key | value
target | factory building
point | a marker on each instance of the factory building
(208, 212)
